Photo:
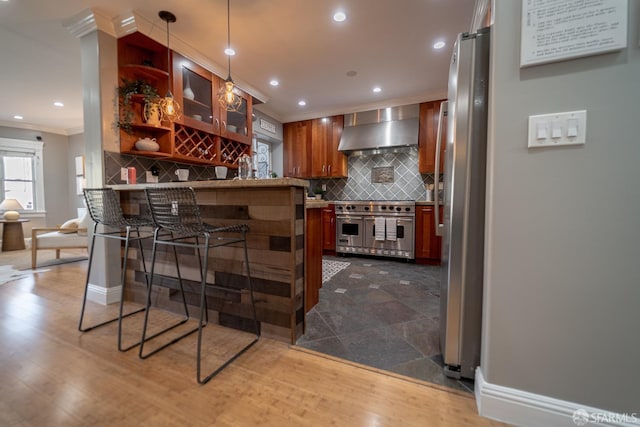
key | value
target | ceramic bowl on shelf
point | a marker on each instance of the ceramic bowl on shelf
(147, 144)
(232, 128)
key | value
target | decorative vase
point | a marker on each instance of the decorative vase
(152, 114)
(147, 144)
(187, 92)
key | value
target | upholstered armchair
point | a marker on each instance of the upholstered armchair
(70, 235)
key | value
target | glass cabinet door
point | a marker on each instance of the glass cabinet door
(236, 125)
(196, 96)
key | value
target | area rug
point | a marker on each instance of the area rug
(9, 274)
(331, 268)
(21, 260)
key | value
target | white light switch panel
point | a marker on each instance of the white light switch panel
(569, 128)
(124, 174)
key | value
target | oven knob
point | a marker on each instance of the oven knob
(383, 207)
(398, 209)
(366, 208)
(407, 209)
(348, 208)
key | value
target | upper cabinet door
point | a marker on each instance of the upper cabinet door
(327, 161)
(429, 112)
(336, 160)
(193, 89)
(297, 149)
(236, 125)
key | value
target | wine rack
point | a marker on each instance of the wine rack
(192, 144)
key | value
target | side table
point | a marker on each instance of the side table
(12, 235)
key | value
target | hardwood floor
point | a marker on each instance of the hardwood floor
(53, 375)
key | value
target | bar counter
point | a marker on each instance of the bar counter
(274, 210)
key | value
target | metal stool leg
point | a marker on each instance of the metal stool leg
(122, 282)
(144, 338)
(203, 306)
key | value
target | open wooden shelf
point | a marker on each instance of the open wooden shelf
(145, 71)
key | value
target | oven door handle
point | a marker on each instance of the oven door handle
(349, 217)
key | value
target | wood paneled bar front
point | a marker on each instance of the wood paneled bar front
(274, 209)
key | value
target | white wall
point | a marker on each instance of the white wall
(562, 279)
(56, 175)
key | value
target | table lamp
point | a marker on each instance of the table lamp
(10, 208)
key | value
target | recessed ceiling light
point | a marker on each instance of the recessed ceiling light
(18, 117)
(274, 82)
(339, 16)
(229, 51)
(377, 89)
(58, 104)
(302, 103)
(351, 73)
(438, 45)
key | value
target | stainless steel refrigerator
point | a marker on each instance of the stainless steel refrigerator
(462, 200)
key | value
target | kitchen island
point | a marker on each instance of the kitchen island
(274, 210)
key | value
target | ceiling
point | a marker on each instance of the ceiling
(388, 43)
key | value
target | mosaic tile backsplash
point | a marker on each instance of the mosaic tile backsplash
(166, 169)
(408, 183)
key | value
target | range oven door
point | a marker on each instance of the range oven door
(349, 233)
(402, 246)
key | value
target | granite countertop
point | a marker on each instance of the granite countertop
(316, 204)
(220, 183)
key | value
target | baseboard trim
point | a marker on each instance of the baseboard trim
(102, 295)
(522, 408)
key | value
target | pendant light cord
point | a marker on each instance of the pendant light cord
(229, 36)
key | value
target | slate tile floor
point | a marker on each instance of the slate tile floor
(382, 313)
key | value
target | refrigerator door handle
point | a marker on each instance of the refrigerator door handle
(436, 197)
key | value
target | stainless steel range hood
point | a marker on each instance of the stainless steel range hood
(382, 130)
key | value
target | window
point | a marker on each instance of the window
(263, 150)
(21, 174)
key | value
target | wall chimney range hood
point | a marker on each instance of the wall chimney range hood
(380, 131)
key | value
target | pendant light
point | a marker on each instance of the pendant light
(227, 95)
(169, 107)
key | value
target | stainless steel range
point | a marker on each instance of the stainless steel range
(382, 228)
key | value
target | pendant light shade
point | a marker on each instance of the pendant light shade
(227, 95)
(170, 108)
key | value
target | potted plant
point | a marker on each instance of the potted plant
(319, 192)
(127, 90)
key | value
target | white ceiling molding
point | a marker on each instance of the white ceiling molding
(57, 131)
(87, 21)
(134, 21)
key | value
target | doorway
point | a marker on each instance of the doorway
(380, 313)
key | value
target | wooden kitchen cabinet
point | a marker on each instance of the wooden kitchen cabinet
(297, 151)
(206, 133)
(313, 257)
(141, 59)
(329, 230)
(326, 160)
(429, 117)
(196, 89)
(428, 245)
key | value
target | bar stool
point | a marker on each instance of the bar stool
(179, 224)
(104, 208)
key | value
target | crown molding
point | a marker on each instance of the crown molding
(89, 20)
(57, 131)
(133, 21)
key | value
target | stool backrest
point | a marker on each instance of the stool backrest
(104, 206)
(174, 209)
